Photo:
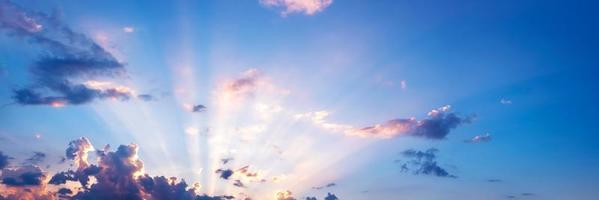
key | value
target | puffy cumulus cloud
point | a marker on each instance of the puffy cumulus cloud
(437, 125)
(479, 138)
(424, 162)
(4, 160)
(78, 151)
(307, 7)
(69, 58)
(119, 175)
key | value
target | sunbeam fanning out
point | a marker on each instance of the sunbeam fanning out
(298, 100)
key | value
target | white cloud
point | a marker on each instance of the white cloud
(307, 7)
(128, 29)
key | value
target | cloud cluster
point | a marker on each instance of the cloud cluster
(69, 59)
(117, 175)
(307, 7)
(424, 162)
(437, 125)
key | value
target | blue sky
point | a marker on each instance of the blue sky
(312, 92)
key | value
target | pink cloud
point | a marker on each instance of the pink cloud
(308, 7)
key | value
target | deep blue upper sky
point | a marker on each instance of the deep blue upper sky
(521, 75)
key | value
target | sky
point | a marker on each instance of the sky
(299, 99)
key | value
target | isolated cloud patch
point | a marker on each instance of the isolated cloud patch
(437, 125)
(69, 59)
(307, 7)
(479, 138)
(424, 162)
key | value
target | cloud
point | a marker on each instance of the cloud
(424, 162)
(284, 195)
(78, 151)
(29, 175)
(328, 197)
(494, 180)
(505, 101)
(4, 160)
(128, 29)
(69, 57)
(224, 173)
(36, 159)
(324, 186)
(437, 125)
(331, 197)
(198, 108)
(307, 7)
(479, 138)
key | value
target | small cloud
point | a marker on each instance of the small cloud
(284, 195)
(307, 7)
(146, 97)
(4, 160)
(128, 29)
(198, 108)
(403, 84)
(505, 101)
(192, 131)
(424, 162)
(224, 173)
(324, 186)
(494, 180)
(36, 159)
(480, 138)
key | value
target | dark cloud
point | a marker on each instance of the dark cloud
(424, 162)
(331, 197)
(4, 160)
(324, 186)
(37, 158)
(328, 197)
(117, 176)
(28, 175)
(494, 180)
(198, 108)
(527, 194)
(68, 56)
(226, 160)
(238, 183)
(146, 97)
(224, 173)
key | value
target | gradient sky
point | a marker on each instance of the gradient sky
(523, 72)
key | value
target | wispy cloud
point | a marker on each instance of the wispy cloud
(307, 7)
(437, 125)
